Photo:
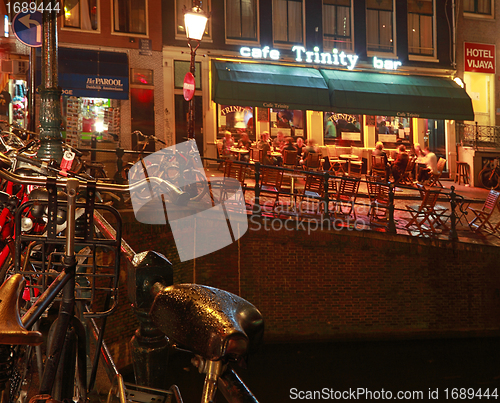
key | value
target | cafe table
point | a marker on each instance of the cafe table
(349, 157)
(293, 175)
(239, 152)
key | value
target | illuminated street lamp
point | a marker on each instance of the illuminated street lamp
(195, 22)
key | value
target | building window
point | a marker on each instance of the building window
(337, 25)
(180, 6)
(129, 16)
(288, 21)
(478, 6)
(394, 131)
(343, 129)
(379, 26)
(81, 14)
(241, 19)
(420, 27)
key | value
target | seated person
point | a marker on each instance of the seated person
(264, 139)
(400, 163)
(310, 148)
(279, 142)
(245, 142)
(267, 159)
(379, 150)
(300, 146)
(430, 161)
(227, 143)
(289, 144)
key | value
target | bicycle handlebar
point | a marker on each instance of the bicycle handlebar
(178, 196)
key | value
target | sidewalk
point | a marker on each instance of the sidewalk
(403, 197)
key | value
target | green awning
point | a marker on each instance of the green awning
(397, 95)
(269, 86)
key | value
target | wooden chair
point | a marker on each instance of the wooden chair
(289, 158)
(434, 179)
(355, 168)
(270, 183)
(220, 155)
(234, 179)
(481, 221)
(426, 217)
(347, 193)
(378, 167)
(314, 190)
(406, 178)
(378, 194)
(312, 162)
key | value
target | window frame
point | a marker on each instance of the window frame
(288, 44)
(417, 57)
(79, 29)
(182, 36)
(371, 53)
(351, 21)
(135, 34)
(255, 41)
(473, 14)
(339, 141)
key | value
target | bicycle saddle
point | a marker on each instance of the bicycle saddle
(11, 329)
(207, 321)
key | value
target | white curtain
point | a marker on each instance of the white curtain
(295, 21)
(372, 29)
(86, 23)
(280, 20)
(233, 12)
(484, 6)
(249, 19)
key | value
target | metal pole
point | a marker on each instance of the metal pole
(32, 91)
(453, 204)
(391, 225)
(50, 93)
(192, 70)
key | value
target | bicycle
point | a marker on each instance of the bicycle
(226, 339)
(489, 176)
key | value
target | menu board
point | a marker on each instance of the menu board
(387, 138)
(352, 136)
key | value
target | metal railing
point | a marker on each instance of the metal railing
(478, 135)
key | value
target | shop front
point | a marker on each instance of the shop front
(93, 84)
(348, 108)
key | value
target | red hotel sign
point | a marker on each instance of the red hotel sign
(479, 57)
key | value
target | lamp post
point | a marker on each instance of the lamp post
(195, 21)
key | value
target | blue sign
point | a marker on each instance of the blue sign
(28, 28)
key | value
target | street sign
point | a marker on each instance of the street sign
(189, 86)
(28, 28)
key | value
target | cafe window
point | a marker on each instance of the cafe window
(482, 7)
(337, 25)
(237, 120)
(288, 20)
(343, 129)
(289, 122)
(129, 16)
(393, 131)
(180, 7)
(421, 27)
(241, 19)
(379, 25)
(81, 14)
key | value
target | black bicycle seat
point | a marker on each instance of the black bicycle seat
(207, 321)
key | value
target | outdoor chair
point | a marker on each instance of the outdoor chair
(234, 179)
(312, 162)
(427, 216)
(347, 192)
(220, 155)
(482, 219)
(289, 158)
(314, 190)
(379, 168)
(406, 178)
(270, 183)
(378, 194)
(434, 179)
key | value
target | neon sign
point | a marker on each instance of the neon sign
(334, 58)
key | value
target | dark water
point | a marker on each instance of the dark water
(286, 372)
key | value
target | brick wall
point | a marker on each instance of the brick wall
(343, 284)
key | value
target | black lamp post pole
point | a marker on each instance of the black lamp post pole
(50, 93)
(192, 70)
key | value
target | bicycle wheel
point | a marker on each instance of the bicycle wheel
(488, 178)
(198, 185)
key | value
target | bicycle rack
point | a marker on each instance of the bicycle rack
(98, 259)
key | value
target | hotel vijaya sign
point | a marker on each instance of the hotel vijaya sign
(479, 57)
